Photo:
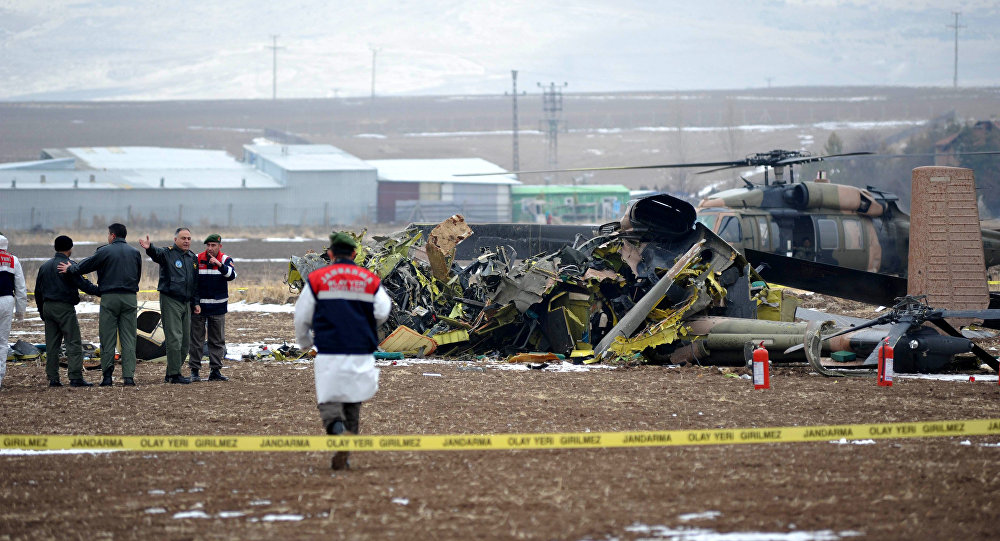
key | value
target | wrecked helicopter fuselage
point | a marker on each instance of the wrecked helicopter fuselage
(656, 284)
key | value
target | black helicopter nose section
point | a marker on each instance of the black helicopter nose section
(662, 215)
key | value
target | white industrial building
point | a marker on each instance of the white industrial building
(274, 185)
(430, 190)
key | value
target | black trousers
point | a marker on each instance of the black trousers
(348, 412)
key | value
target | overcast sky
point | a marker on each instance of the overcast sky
(219, 49)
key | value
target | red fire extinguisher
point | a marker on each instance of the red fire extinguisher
(885, 364)
(761, 370)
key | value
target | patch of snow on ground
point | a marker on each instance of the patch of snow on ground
(980, 378)
(289, 239)
(191, 514)
(401, 501)
(244, 306)
(702, 534)
(707, 515)
(845, 441)
(279, 518)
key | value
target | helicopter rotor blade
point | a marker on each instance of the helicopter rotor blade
(978, 314)
(611, 168)
(895, 333)
(981, 354)
(807, 159)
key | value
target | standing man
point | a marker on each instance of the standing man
(13, 299)
(339, 310)
(178, 289)
(215, 271)
(118, 267)
(57, 296)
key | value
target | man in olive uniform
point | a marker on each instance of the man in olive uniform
(118, 267)
(178, 289)
(56, 296)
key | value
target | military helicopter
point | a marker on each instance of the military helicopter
(820, 221)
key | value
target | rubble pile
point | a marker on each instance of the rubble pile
(634, 288)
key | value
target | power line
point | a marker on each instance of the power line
(956, 26)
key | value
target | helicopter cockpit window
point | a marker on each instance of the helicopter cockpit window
(708, 220)
(730, 230)
(828, 238)
(853, 239)
(765, 237)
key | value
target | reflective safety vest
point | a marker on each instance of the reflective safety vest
(344, 319)
(6, 274)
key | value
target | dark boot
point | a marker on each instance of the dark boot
(106, 382)
(128, 382)
(194, 375)
(216, 375)
(55, 383)
(176, 378)
(80, 383)
(340, 458)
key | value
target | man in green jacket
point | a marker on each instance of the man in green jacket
(57, 296)
(118, 267)
(178, 289)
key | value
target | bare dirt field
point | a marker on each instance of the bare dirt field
(937, 488)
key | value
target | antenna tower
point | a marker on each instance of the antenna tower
(552, 105)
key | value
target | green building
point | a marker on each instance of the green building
(585, 203)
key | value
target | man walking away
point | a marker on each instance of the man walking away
(339, 310)
(178, 289)
(118, 267)
(215, 271)
(13, 299)
(57, 296)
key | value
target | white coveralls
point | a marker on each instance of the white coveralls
(10, 304)
(339, 378)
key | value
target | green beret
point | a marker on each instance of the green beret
(214, 237)
(339, 237)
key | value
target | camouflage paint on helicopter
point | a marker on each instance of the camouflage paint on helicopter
(820, 221)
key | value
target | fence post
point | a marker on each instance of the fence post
(326, 214)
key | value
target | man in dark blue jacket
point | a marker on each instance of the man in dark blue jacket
(215, 271)
(57, 296)
(178, 289)
(118, 267)
(339, 311)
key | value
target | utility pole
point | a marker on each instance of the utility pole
(375, 51)
(274, 68)
(517, 160)
(956, 26)
(552, 106)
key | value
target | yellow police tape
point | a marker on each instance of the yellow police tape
(483, 442)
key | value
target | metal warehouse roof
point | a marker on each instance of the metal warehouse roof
(441, 170)
(569, 189)
(309, 157)
(117, 158)
(134, 168)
